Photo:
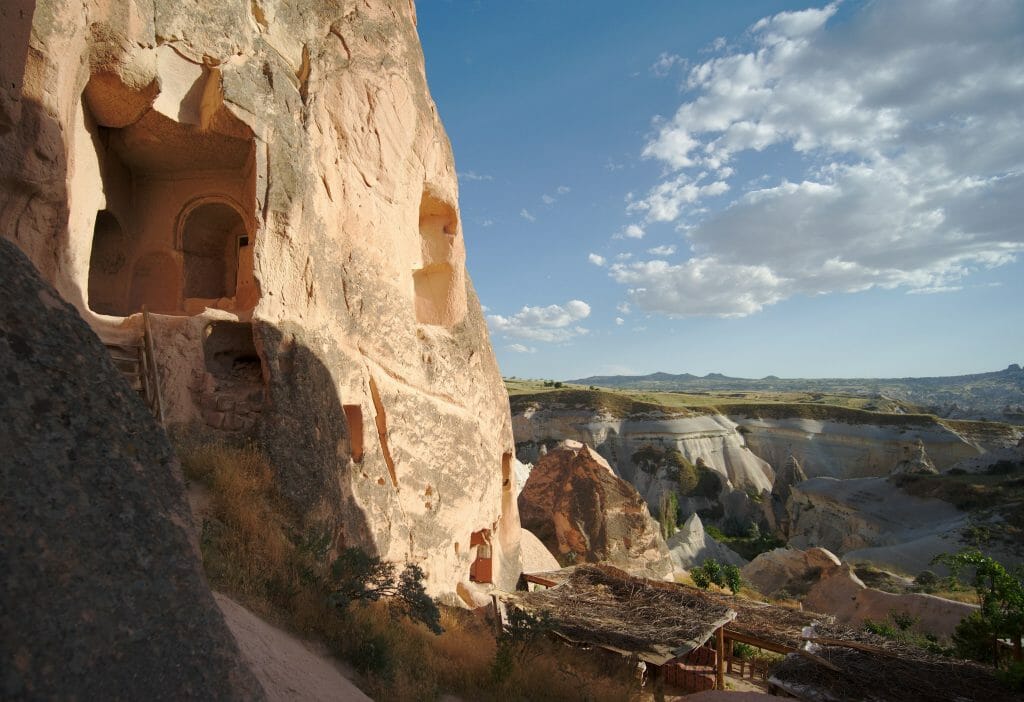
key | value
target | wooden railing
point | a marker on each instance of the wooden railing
(148, 374)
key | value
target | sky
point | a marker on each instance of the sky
(747, 188)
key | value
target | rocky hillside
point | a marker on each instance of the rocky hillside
(743, 443)
(995, 396)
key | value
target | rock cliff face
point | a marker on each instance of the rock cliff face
(711, 438)
(747, 450)
(272, 181)
(582, 512)
(104, 596)
(691, 546)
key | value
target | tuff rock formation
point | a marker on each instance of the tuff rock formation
(103, 594)
(788, 569)
(583, 513)
(791, 474)
(271, 180)
(691, 546)
(825, 584)
(915, 462)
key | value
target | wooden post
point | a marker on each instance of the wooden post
(499, 625)
(720, 663)
(657, 678)
(1017, 656)
(728, 658)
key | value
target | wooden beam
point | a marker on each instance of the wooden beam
(759, 642)
(720, 662)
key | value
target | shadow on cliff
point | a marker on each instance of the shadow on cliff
(34, 191)
(304, 432)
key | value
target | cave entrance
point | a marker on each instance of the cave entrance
(232, 396)
(177, 213)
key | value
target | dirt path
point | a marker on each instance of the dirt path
(288, 668)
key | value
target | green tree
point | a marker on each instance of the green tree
(668, 513)
(357, 576)
(1001, 596)
(731, 576)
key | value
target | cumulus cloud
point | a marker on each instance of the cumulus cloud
(547, 199)
(662, 250)
(907, 120)
(473, 175)
(596, 259)
(623, 307)
(699, 287)
(525, 214)
(562, 189)
(521, 348)
(554, 323)
(619, 321)
(631, 231)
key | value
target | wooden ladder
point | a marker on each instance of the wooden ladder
(136, 360)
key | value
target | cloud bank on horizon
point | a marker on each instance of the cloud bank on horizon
(904, 122)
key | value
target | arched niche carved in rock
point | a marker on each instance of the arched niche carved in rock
(107, 263)
(181, 195)
(438, 284)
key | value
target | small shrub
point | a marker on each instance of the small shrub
(926, 580)
(742, 651)
(731, 576)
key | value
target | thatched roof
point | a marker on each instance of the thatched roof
(606, 607)
(884, 677)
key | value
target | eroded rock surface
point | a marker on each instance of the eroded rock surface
(272, 181)
(103, 593)
(583, 512)
(691, 546)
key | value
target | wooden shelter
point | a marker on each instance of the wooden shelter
(656, 622)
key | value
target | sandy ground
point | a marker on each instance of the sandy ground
(288, 669)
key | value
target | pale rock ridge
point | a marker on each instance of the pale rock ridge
(825, 584)
(790, 475)
(691, 546)
(272, 181)
(582, 512)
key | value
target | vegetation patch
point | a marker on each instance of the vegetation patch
(368, 613)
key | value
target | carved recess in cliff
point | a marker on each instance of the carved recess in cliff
(173, 235)
(440, 290)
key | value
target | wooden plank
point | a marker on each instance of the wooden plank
(720, 658)
(856, 645)
(818, 659)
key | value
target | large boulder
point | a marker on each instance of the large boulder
(271, 180)
(788, 571)
(584, 513)
(691, 546)
(103, 593)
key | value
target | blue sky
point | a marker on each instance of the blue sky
(750, 188)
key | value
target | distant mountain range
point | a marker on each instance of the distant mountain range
(995, 396)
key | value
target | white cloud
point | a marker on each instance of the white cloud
(699, 287)
(553, 323)
(525, 214)
(907, 118)
(521, 348)
(662, 250)
(563, 189)
(487, 223)
(665, 63)
(473, 175)
(623, 307)
(620, 321)
(547, 199)
(631, 231)
(596, 259)
(624, 256)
